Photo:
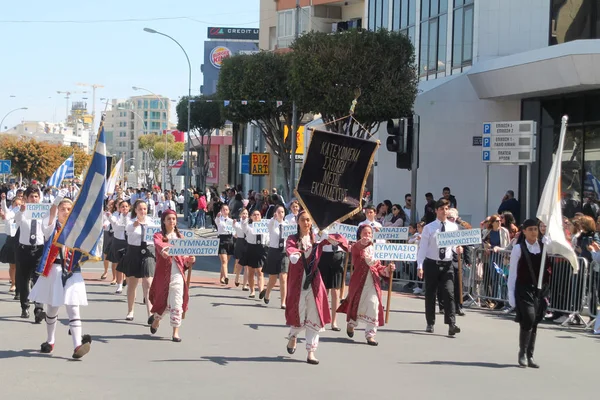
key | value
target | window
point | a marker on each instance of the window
(154, 104)
(286, 25)
(462, 40)
(122, 134)
(434, 24)
(404, 14)
(379, 11)
(573, 20)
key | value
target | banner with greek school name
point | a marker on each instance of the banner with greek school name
(395, 252)
(333, 176)
(391, 233)
(345, 230)
(151, 230)
(261, 227)
(465, 237)
(193, 247)
(37, 210)
(289, 230)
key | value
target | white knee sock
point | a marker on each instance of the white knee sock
(74, 324)
(51, 319)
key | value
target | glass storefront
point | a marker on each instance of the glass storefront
(581, 152)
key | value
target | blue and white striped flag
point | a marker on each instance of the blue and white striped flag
(83, 230)
(65, 171)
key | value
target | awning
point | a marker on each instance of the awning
(568, 67)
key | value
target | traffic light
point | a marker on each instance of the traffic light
(400, 141)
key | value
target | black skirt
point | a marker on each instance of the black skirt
(226, 244)
(239, 249)
(7, 253)
(138, 262)
(106, 244)
(117, 249)
(277, 262)
(331, 266)
(256, 255)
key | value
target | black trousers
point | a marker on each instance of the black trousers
(530, 311)
(457, 305)
(439, 276)
(27, 260)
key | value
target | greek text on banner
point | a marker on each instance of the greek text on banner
(391, 233)
(463, 237)
(347, 231)
(193, 247)
(152, 229)
(395, 252)
(289, 230)
(37, 210)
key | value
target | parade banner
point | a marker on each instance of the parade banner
(289, 230)
(347, 231)
(37, 210)
(193, 247)
(228, 227)
(391, 233)
(395, 252)
(333, 177)
(260, 227)
(152, 229)
(465, 237)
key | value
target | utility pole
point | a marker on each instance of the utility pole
(94, 87)
(294, 131)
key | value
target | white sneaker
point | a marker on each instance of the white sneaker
(417, 290)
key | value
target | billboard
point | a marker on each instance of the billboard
(214, 54)
(233, 33)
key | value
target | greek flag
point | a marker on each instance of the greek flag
(83, 230)
(65, 171)
(591, 184)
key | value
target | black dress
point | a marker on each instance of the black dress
(331, 266)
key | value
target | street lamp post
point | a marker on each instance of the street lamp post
(189, 138)
(10, 112)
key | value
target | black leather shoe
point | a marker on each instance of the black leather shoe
(266, 300)
(522, 360)
(312, 361)
(176, 339)
(17, 297)
(372, 342)
(25, 313)
(40, 315)
(531, 363)
(453, 330)
(349, 333)
(290, 350)
(46, 348)
(429, 329)
(262, 294)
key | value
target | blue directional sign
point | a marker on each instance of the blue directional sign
(485, 155)
(245, 164)
(4, 166)
(487, 128)
(487, 141)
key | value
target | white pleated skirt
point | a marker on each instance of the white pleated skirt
(49, 290)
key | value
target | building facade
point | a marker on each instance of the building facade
(55, 133)
(130, 118)
(497, 60)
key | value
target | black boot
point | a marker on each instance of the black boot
(530, 361)
(524, 338)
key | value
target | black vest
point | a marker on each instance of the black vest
(523, 272)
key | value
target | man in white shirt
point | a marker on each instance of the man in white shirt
(408, 209)
(370, 212)
(436, 265)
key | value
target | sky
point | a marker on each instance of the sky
(104, 44)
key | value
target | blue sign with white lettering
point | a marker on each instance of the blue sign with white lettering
(245, 164)
(487, 141)
(487, 128)
(4, 166)
(485, 155)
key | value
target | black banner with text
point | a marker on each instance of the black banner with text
(334, 175)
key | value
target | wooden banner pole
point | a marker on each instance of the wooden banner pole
(187, 283)
(389, 296)
(460, 285)
(344, 277)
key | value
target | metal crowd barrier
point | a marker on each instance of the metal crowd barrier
(569, 293)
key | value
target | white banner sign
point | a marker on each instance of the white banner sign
(347, 231)
(395, 252)
(228, 226)
(37, 210)
(260, 227)
(193, 247)
(151, 230)
(463, 237)
(289, 230)
(391, 233)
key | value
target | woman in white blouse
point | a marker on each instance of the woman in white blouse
(7, 253)
(225, 234)
(239, 251)
(255, 252)
(118, 221)
(139, 261)
(277, 261)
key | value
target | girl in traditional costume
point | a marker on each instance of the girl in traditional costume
(60, 282)
(169, 290)
(363, 303)
(307, 305)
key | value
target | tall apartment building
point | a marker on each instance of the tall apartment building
(130, 118)
(497, 60)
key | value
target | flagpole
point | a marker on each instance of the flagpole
(557, 159)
